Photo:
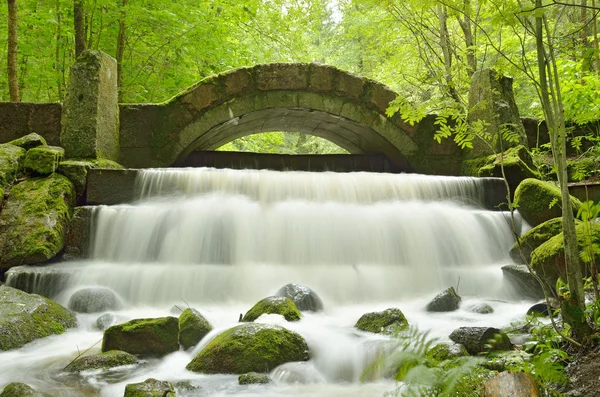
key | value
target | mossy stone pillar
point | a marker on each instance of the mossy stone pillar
(491, 99)
(90, 118)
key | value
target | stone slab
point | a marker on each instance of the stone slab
(111, 186)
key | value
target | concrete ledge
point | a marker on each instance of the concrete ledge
(111, 186)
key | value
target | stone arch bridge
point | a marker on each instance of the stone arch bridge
(309, 98)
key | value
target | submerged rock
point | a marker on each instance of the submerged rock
(481, 308)
(93, 300)
(481, 339)
(387, 321)
(192, 328)
(297, 372)
(43, 160)
(103, 361)
(18, 389)
(540, 201)
(34, 221)
(445, 301)
(273, 305)
(250, 348)
(106, 320)
(150, 388)
(26, 317)
(253, 378)
(145, 337)
(303, 297)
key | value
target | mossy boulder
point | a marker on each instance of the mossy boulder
(517, 164)
(154, 337)
(522, 281)
(253, 378)
(29, 141)
(77, 169)
(387, 321)
(273, 305)
(93, 300)
(43, 160)
(533, 238)
(150, 388)
(250, 348)
(446, 301)
(11, 160)
(447, 351)
(26, 317)
(303, 297)
(17, 389)
(539, 201)
(103, 361)
(192, 328)
(34, 220)
(548, 260)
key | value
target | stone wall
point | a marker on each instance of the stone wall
(20, 119)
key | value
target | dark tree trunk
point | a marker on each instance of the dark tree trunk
(79, 26)
(121, 39)
(13, 81)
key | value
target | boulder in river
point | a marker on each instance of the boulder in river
(481, 339)
(303, 297)
(150, 388)
(145, 337)
(253, 378)
(93, 300)
(387, 321)
(273, 305)
(522, 281)
(26, 317)
(540, 201)
(18, 389)
(192, 328)
(533, 238)
(250, 347)
(102, 361)
(106, 320)
(445, 301)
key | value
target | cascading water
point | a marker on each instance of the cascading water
(220, 240)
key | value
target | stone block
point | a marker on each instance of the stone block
(281, 76)
(110, 187)
(90, 119)
(78, 240)
(11, 159)
(43, 160)
(321, 78)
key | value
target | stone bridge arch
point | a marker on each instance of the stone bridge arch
(297, 97)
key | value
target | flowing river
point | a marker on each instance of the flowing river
(221, 240)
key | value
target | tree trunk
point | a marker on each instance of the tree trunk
(78, 24)
(121, 39)
(514, 384)
(13, 81)
(466, 27)
(445, 45)
(595, 38)
(57, 61)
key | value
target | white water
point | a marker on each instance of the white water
(220, 240)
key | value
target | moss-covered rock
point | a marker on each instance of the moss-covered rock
(192, 328)
(533, 238)
(150, 388)
(446, 351)
(253, 378)
(103, 361)
(145, 337)
(77, 169)
(26, 317)
(387, 321)
(517, 164)
(539, 201)
(34, 220)
(17, 389)
(446, 301)
(273, 305)
(11, 160)
(250, 348)
(43, 160)
(548, 260)
(29, 141)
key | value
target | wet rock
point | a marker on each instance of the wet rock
(533, 238)
(34, 220)
(517, 164)
(103, 361)
(540, 309)
(481, 308)
(93, 300)
(303, 297)
(11, 159)
(18, 389)
(106, 320)
(43, 160)
(297, 372)
(29, 141)
(481, 339)
(192, 328)
(540, 201)
(26, 317)
(445, 301)
(514, 384)
(253, 378)
(522, 281)
(250, 348)
(150, 388)
(78, 240)
(387, 321)
(273, 305)
(77, 170)
(145, 337)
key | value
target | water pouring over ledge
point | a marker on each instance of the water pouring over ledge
(220, 240)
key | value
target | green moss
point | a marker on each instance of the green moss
(535, 237)
(11, 160)
(192, 328)
(17, 389)
(250, 348)
(29, 141)
(146, 337)
(445, 351)
(43, 160)
(103, 361)
(34, 221)
(77, 169)
(387, 321)
(539, 201)
(274, 305)
(471, 167)
(150, 388)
